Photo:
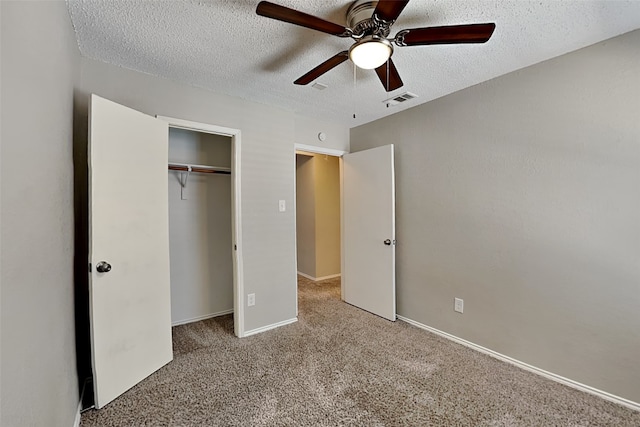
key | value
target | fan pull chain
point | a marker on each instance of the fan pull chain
(387, 88)
(353, 98)
(387, 75)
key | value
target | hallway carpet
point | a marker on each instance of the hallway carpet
(341, 366)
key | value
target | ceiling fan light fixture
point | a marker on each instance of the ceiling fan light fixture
(370, 52)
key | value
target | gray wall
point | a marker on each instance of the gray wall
(267, 173)
(200, 228)
(521, 196)
(40, 63)
(305, 215)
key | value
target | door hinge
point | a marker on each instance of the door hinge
(235, 247)
(89, 267)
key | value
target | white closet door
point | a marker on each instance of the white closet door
(130, 306)
(369, 273)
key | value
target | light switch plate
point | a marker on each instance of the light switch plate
(282, 206)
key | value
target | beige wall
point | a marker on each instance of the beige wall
(318, 214)
(200, 228)
(327, 178)
(40, 64)
(521, 196)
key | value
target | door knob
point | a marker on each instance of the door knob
(103, 267)
(387, 242)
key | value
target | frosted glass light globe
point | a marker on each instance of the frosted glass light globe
(370, 52)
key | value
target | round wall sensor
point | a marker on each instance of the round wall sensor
(322, 136)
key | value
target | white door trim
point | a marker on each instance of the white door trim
(320, 150)
(236, 217)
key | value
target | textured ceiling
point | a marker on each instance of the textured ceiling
(225, 47)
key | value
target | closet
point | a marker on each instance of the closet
(200, 226)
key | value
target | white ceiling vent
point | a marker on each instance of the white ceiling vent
(400, 98)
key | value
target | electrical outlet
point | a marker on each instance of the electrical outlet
(458, 305)
(251, 299)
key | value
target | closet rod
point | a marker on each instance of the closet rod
(198, 168)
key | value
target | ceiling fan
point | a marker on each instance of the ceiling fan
(369, 24)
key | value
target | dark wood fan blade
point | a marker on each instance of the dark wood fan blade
(389, 10)
(292, 16)
(394, 81)
(452, 34)
(323, 68)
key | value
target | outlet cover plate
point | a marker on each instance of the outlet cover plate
(251, 300)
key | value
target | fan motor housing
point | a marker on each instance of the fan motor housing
(360, 19)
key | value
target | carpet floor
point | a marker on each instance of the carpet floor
(341, 366)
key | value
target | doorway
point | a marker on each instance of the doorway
(318, 215)
(367, 225)
(211, 144)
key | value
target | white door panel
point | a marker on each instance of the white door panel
(369, 221)
(130, 305)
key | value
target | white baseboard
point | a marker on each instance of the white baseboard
(332, 276)
(76, 422)
(268, 327)
(307, 276)
(317, 279)
(550, 375)
(198, 318)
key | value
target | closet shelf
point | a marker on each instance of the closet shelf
(183, 167)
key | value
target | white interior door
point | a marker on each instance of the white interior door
(130, 305)
(369, 274)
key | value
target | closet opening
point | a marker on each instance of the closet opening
(204, 223)
(318, 216)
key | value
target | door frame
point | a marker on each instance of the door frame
(236, 217)
(330, 152)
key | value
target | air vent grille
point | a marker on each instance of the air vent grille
(403, 97)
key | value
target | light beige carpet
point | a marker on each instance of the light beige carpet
(340, 366)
